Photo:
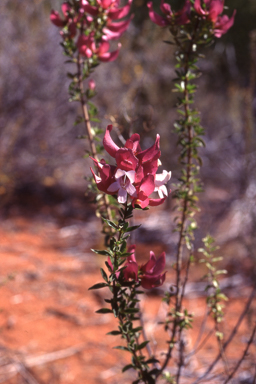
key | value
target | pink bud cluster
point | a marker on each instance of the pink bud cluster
(102, 19)
(150, 275)
(134, 174)
(209, 10)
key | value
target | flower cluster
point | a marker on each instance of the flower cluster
(150, 275)
(210, 10)
(97, 24)
(134, 174)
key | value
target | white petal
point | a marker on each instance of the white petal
(119, 173)
(162, 178)
(131, 189)
(122, 196)
(163, 190)
(131, 176)
(114, 187)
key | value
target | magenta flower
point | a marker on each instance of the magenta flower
(223, 24)
(157, 19)
(134, 175)
(211, 11)
(87, 47)
(150, 275)
(61, 23)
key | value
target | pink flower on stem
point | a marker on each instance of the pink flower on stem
(61, 23)
(111, 12)
(157, 19)
(123, 185)
(87, 47)
(150, 275)
(223, 24)
(135, 172)
(211, 10)
(181, 17)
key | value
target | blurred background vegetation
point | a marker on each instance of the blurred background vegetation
(42, 167)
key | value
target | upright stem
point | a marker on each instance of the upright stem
(86, 117)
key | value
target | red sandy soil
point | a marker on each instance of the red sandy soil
(50, 332)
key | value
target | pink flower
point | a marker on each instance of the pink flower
(132, 268)
(152, 275)
(87, 47)
(211, 11)
(223, 24)
(157, 19)
(123, 185)
(59, 22)
(105, 175)
(180, 17)
(135, 172)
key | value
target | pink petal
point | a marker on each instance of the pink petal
(151, 153)
(119, 27)
(65, 9)
(110, 56)
(155, 202)
(103, 47)
(159, 264)
(148, 185)
(108, 143)
(157, 19)
(89, 8)
(126, 160)
(131, 271)
(105, 3)
(149, 282)
(216, 8)
(198, 8)
(56, 20)
(223, 24)
(119, 13)
(166, 8)
(131, 249)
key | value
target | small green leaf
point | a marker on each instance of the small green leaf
(110, 223)
(142, 345)
(129, 366)
(130, 229)
(103, 252)
(98, 286)
(104, 310)
(114, 333)
(122, 348)
(104, 275)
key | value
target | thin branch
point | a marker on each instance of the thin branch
(231, 336)
(242, 357)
